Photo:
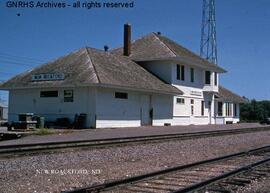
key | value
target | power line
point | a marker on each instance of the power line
(7, 73)
(18, 60)
(18, 63)
(20, 57)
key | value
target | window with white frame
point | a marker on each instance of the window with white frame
(228, 107)
(192, 109)
(191, 74)
(180, 72)
(68, 96)
(216, 78)
(235, 110)
(207, 77)
(220, 109)
(202, 108)
(180, 100)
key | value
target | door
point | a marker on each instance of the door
(210, 111)
(146, 110)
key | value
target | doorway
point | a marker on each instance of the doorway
(210, 111)
(146, 112)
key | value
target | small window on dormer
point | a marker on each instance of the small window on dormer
(191, 74)
(216, 78)
(207, 77)
(180, 72)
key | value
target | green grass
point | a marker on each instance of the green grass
(43, 131)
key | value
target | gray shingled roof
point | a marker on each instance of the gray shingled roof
(89, 66)
(226, 95)
(158, 47)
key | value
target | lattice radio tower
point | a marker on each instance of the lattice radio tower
(208, 48)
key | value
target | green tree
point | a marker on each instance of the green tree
(255, 110)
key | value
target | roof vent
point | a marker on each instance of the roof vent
(106, 48)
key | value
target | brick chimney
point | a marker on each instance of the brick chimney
(127, 39)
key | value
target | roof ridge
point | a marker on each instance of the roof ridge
(90, 59)
(132, 41)
(164, 43)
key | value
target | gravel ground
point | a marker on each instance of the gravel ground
(262, 186)
(88, 134)
(42, 173)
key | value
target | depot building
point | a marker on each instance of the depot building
(150, 81)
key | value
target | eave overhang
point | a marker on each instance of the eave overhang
(185, 60)
(177, 91)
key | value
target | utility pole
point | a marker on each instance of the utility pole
(208, 49)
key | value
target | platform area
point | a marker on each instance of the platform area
(95, 134)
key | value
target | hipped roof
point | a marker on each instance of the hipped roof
(228, 96)
(89, 66)
(157, 47)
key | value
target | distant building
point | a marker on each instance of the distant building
(3, 112)
(151, 81)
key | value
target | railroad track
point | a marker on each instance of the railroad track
(36, 148)
(219, 175)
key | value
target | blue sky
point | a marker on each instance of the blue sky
(243, 28)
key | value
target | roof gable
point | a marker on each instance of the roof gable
(158, 47)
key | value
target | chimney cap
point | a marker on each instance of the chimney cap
(106, 48)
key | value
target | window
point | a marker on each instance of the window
(228, 109)
(121, 95)
(68, 95)
(235, 110)
(202, 108)
(46, 94)
(192, 110)
(180, 100)
(192, 101)
(180, 72)
(216, 79)
(220, 109)
(207, 77)
(191, 74)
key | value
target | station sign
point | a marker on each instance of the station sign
(196, 93)
(48, 77)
